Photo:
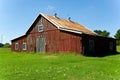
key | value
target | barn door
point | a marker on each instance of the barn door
(40, 45)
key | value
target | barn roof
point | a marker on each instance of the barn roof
(68, 25)
(63, 24)
(23, 36)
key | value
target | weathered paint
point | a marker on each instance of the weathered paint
(20, 41)
(56, 40)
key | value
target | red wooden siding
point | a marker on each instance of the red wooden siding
(69, 42)
(20, 42)
(61, 41)
(56, 41)
(49, 33)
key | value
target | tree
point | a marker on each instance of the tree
(117, 36)
(6, 45)
(1, 45)
(102, 33)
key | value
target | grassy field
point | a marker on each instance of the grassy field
(40, 66)
(118, 48)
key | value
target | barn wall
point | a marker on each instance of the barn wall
(56, 41)
(101, 45)
(61, 41)
(49, 33)
(20, 42)
(69, 42)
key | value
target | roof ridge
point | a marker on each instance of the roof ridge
(64, 23)
(44, 15)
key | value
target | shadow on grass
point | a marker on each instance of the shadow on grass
(102, 54)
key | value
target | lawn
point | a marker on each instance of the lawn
(41, 66)
(118, 48)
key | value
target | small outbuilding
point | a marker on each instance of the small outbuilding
(56, 35)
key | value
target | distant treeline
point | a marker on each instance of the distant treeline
(105, 33)
(6, 45)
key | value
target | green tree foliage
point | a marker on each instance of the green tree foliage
(6, 45)
(1, 45)
(102, 33)
(117, 36)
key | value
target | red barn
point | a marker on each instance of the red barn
(56, 35)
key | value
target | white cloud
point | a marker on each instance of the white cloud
(49, 7)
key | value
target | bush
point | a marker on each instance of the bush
(118, 42)
(7, 45)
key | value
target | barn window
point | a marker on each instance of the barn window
(111, 46)
(16, 46)
(24, 46)
(40, 28)
(91, 45)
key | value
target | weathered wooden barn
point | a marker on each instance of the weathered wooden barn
(56, 35)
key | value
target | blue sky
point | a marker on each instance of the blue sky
(16, 16)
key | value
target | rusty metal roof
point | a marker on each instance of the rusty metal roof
(68, 25)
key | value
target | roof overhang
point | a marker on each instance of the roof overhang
(18, 38)
(70, 30)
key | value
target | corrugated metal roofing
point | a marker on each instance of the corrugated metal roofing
(68, 25)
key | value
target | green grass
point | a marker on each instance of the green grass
(40, 66)
(118, 48)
